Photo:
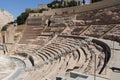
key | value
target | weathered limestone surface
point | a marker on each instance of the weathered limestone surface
(5, 17)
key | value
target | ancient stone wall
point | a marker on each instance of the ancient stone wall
(5, 18)
(82, 8)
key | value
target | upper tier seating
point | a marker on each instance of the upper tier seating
(61, 48)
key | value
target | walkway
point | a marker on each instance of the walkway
(114, 61)
(20, 69)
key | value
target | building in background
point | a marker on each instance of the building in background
(65, 2)
(42, 6)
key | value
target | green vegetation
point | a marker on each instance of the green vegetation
(35, 10)
(4, 28)
(59, 4)
(55, 4)
(41, 10)
(22, 18)
(12, 22)
(71, 3)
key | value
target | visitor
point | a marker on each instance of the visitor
(84, 2)
(49, 22)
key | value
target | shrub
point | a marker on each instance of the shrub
(4, 28)
(22, 18)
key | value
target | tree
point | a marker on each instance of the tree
(71, 3)
(41, 10)
(22, 18)
(4, 28)
(55, 4)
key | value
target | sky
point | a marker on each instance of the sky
(16, 7)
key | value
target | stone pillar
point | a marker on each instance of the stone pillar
(3, 36)
(78, 2)
(10, 34)
(3, 40)
(8, 38)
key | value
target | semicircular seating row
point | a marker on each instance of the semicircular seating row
(68, 54)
